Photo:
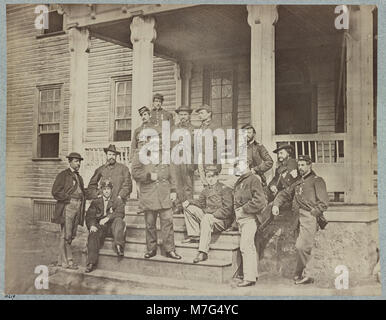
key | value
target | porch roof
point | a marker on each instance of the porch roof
(187, 32)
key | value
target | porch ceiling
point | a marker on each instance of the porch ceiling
(205, 30)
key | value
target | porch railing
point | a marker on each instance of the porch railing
(327, 153)
(322, 148)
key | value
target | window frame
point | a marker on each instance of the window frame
(112, 114)
(207, 86)
(35, 137)
(42, 34)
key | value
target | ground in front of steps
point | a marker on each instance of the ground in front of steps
(29, 245)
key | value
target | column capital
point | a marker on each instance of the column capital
(79, 39)
(143, 29)
(262, 14)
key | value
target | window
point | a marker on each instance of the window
(219, 93)
(55, 23)
(49, 111)
(122, 109)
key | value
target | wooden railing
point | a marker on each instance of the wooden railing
(327, 153)
(321, 147)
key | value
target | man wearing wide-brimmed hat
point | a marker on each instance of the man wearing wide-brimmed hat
(286, 171)
(118, 173)
(184, 171)
(211, 212)
(68, 190)
(158, 114)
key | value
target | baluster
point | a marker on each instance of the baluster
(323, 157)
(303, 149)
(309, 149)
(337, 150)
(329, 151)
(296, 150)
(316, 151)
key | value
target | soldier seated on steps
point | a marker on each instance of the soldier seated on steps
(212, 212)
(104, 216)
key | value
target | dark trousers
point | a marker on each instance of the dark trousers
(184, 182)
(116, 228)
(167, 232)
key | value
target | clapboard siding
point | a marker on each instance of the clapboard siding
(31, 62)
(106, 61)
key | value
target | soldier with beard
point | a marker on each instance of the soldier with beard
(116, 172)
(259, 160)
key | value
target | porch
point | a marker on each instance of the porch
(285, 69)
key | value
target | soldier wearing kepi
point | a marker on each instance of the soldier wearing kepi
(212, 212)
(138, 138)
(118, 173)
(259, 160)
(156, 192)
(105, 216)
(310, 200)
(249, 202)
(184, 171)
(286, 171)
(68, 190)
(158, 114)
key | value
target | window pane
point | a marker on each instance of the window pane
(216, 105)
(50, 95)
(227, 91)
(57, 94)
(227, 105)
(120, 88)
(121, 100)
(124, 135)
(226, 119)
(216, 92)
(49, 145)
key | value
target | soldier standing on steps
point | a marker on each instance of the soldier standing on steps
(105, 215)
(184, 171)
(156, 192)
(259, 160)
(212, 212)
(158, 114)
(249, 202)
(310, 200)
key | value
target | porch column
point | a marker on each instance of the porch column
(262, 19)
(79, 45)
(359, 142)
(186, 75)
(143, 35)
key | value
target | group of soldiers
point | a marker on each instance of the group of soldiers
(167, 189)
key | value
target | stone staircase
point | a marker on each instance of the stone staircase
(219, 268)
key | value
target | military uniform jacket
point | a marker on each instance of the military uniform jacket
(308, 193)
(96, 211)
(154, 195)
(258, 158)
(64, 186)
(217, 200)
(282, 178)
(137, 140)
(249, 195)
(119, 175)
(159, 115)
(190, 128)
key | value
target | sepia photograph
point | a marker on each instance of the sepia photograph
(192, 150)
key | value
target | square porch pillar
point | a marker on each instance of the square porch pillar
(262, 19)
(358, 151)
(79, 45)
(143, 35)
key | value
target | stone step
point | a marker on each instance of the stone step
(212, 271)
(227, 237)
(224, 252)
(131, 217)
